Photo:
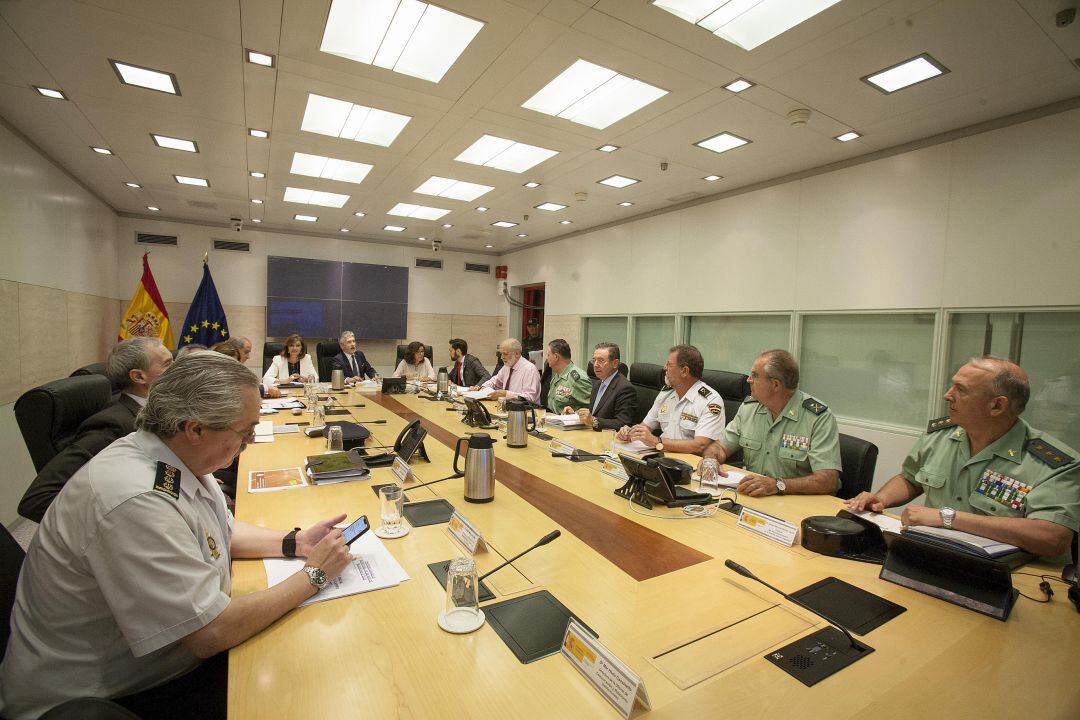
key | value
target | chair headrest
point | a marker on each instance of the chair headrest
(647, 374)
(731, 385)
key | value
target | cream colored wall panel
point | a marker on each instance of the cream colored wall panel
(428, 328)
(873, 236)
(482, 332)
(1014, 224)
(43, 342)
(91, 331)
(10, 373)
(18, 467)
(567, 327)
(744, 250)
(250, 322)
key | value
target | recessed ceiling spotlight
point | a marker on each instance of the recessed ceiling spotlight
(722, 143)
(713, 178)
(421, 239)
(565, 222)
(394, 228)
(848, 136)
(306, 218)
(256, 220)
(447, 225)
(171, 143)
(344, 229)
(186, 180)
(50, 93)
(256, 201)
(739, 85)
(145, 77)
(136, 186)
(257, 174)
(359, 214)
(489, 246)
(608, 148)
(626, 203)
(618, 181)
(151, 208)
(522, 235)
(905, 74)
(258, 58)
(101, 150)
(481, 208)
(258, 133)
(531, 185)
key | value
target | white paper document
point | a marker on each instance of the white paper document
(264, 431)
(734, 477)
(372, 568)
(633, 447)
(565, 421)
(478, 394)
(885, 522)
(286, 403)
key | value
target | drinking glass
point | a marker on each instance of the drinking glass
(318, 415)
(709, 473)
(462, 613)
(390, 503)
(335, 439)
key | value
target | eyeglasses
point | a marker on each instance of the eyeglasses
(245, 435)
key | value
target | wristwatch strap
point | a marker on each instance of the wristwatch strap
(596, 424)
(288, 543)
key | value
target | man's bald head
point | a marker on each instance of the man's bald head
(1006, 379)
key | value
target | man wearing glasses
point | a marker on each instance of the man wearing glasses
(125, 589)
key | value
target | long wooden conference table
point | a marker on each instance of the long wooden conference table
(655, 589)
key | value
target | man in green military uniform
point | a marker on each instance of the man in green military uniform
(987, 472)
(789, 439)
(570, 386)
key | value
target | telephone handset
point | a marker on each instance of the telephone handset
(476, 415)
(411, 440)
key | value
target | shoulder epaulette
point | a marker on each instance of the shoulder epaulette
(167, 480)
(749, 399)
(939, 424)
(815, 406)
(1047, 453)
(574, 375)
(705, 391)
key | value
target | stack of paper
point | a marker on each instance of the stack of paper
(734, 477)
(478, 394)
(285, 403)
(564, 421)
(335, 467)
(634, 447)
(264, 431)
(977, 543)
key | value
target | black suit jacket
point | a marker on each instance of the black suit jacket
(342, 361)
(96, 433)
(474, 371)
(618, 405)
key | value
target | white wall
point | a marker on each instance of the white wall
(984, 221)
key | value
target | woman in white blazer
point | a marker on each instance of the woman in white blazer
(292, 365)
(415, 366)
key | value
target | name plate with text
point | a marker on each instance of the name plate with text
(614, 468)
(770, 527)
(402, 470)
(558, 446)
(619, 685)
(467, 535)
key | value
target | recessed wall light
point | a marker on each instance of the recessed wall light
(593, 95)
(608, 148)
(550, 206)
(531, 185)
(905, 74)
(722, 143)
(306, 218)
(848, 136)
(151, 208)
(565, 222)
(421, 212)
(746, 23)
(171, 143)
(739, 85)
(625, 204)
(315, 197)
(713, 178)
(618, 181)
(101, 150)
(258, 133)
(50, 93)
(136, 186)
(258, 175)
(145, 77)
(504, 224)
(329, 168)
(411, 37)
(258, 58)
(503, 154)
(453, 189)
(343, 119)
(186, 180)
(256, 201)
(393, 228)
(359, 214)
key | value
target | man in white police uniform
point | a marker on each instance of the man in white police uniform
(125, 588)
(689, 416)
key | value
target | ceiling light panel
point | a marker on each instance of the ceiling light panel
(618, 181)
(421, 212)
(394, 228)
(175, 143)
(406, 36)
(550, 206)
(329, 168)
(340, 118)
(593, 95)
(145, 77)
(50, 93)
(503, 154)
(738, 86)
(746, 23)
(905, 74)
(258, 58)
(848, 136)
(198, 182)
(306, 218)
(453, 189)
(315, 197)
(504, 224)
(722, 143)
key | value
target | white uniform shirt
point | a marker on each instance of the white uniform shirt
(124, 565)
(700, 412)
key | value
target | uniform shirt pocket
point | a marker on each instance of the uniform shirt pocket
(930, 479)
(794, 454)
(749, 443)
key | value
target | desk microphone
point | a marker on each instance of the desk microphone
(581, 454)
(432, 482)
(747, 574)
(542, 541)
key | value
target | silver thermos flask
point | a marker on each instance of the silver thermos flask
(479, 467)
(337, 379)
(442, 383)
(520, 419)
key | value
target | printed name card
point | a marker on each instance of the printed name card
(614, 468)
(558, 446)
(402, 471)
(465, 533)
(611, 678)
(768, 526)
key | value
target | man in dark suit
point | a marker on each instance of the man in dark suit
(465, 369)
(613, 401)
(351, 360)
(131, 366)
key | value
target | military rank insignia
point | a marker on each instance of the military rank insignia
(1048, 453)
(704, 392)
(689, 417)
(939, 424)
(563, 391)
(1003, 489)
(212, 544)
(815, 406)
(574, 375)
(794, 442)
(167, 480)
(715, 408)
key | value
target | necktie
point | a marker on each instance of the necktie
(352, 361)
(599, 394)
(457, 373)
(508, 374)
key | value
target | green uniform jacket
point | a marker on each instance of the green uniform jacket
(1024, 473)
(803, 439)
(570, 387)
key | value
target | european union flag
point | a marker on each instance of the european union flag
(205, 323)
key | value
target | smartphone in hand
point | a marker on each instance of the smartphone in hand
(355, 530)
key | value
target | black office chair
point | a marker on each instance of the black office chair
(647, 380)
(49, 415)
(623, 368)
(324, 358)
(429, 353)
(732, 386)
(858, 459)
(270, 351)
(97, 368)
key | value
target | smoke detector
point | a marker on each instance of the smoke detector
(798, 117)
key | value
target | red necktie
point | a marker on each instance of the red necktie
(457, 372)
(508, 374)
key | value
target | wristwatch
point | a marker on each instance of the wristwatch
(596, 424)
(316, 576)
(660, 445)
(947, 517)
(780, 486)
(288, 543)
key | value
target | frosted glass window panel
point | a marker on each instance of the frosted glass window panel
(653, 338)
(731, 342)
(873, 367)
(603, 329)
(972, 334)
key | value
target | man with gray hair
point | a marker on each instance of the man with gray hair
(351, 360)
(517, 378)
(131, 367)
(789, 440)
(126, 586)
(985, 471)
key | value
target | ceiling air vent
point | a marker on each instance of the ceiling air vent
(477, 267)
(428, 263)
(232, 245)
(152, 239)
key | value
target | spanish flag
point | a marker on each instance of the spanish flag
(146, 316)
